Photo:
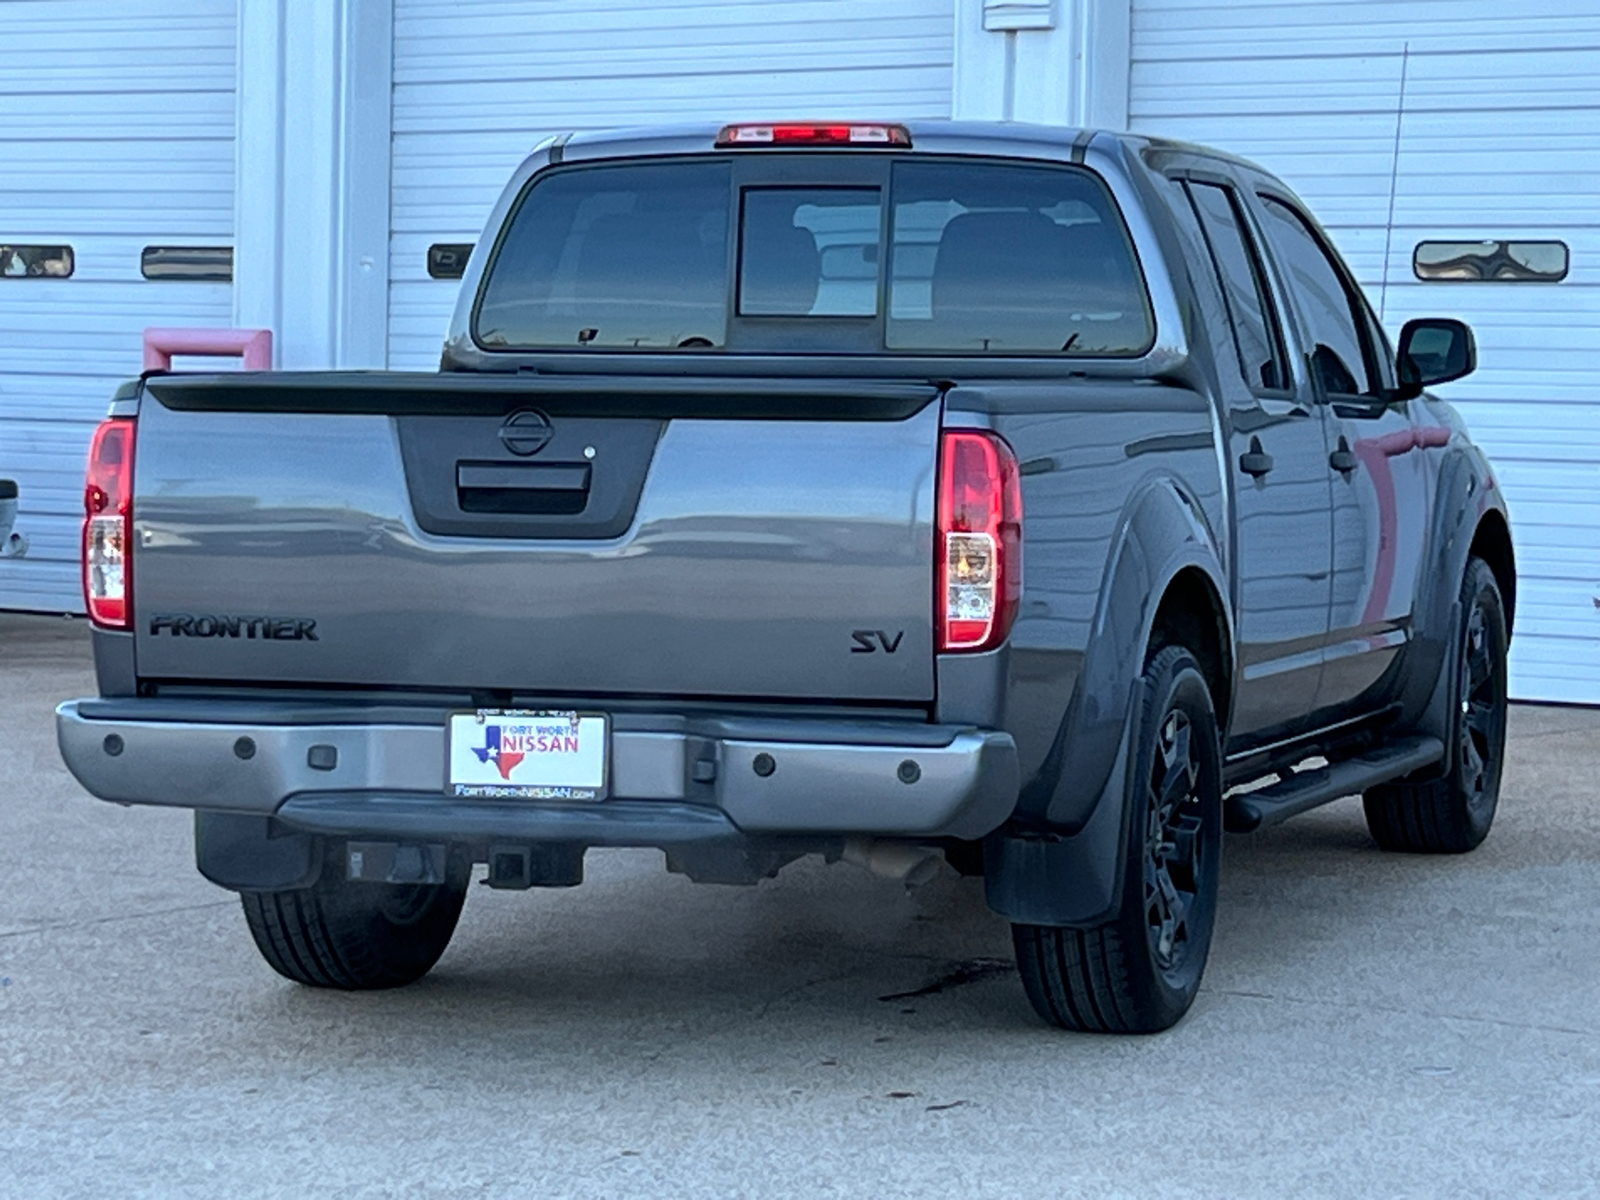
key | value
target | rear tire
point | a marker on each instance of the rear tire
(1451, 812)
(1140, 971)
(356, 936)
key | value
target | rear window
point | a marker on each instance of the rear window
(980, 258)
(631, 257)
(1013, 260)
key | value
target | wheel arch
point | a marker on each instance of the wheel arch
(1162, 567)
(1191, 614)
(1469, 519)
(1491, 541)
(1056, 863)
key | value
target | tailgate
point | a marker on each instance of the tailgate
(603, 537)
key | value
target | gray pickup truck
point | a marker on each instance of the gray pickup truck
(1050, 501)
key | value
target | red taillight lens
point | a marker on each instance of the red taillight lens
(814, 134)
(980, 541)
(108, 524)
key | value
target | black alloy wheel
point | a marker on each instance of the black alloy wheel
(1483, 711)
(1450, 808)
(1172, 865)
(1139, 971)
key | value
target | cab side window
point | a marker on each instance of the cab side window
(1255, 325)
(1339, 354)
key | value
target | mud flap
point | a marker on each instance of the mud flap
(254, 854)
(1440, 718)
(1049, 877)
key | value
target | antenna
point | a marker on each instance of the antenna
(1394, 178)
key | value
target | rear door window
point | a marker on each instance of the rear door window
(1255, 326)
(992, 258)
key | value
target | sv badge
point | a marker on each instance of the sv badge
(867, 641)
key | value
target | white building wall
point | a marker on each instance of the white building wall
(117, 121)
(1498, 138)
(313, 164)
(1048, 62)
(477, 83)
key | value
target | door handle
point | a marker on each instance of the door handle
(1343, 460)
(1255, 461)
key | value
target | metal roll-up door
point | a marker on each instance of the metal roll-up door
(117, 136)
(1478, 121)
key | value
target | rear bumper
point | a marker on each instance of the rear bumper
(674, 779)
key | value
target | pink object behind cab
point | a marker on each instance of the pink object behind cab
(252, 345)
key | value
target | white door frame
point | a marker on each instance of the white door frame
(1052, 62)
(311, 201)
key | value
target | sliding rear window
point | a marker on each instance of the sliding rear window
(981, 258)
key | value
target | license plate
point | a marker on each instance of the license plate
(522, 754)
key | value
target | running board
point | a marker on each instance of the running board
(1306, 790)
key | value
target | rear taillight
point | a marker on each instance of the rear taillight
(980, 541)
(108, 524)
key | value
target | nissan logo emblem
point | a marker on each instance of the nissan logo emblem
(526, 432)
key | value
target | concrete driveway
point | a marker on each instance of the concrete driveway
(1372, 1025)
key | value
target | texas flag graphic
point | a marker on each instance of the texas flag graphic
(491, 751)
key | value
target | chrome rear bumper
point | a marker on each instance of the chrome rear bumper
(672, 779)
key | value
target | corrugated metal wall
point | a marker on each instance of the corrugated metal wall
(1500, 138)
(479, 82)
(116, 130)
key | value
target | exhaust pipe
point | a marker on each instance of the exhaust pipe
(906, 862)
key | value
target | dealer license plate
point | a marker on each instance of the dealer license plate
(522, 754)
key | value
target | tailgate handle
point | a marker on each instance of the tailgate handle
(523, 477)
(522, 489)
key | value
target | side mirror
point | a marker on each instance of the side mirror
(1434, 350)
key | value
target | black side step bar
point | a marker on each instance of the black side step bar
(1305, 790)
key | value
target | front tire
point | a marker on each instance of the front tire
(1140, 971)
(356, 936)
(1451, 812)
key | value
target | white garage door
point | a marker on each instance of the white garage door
(1498, 139)
(117, 136)
(479, 82)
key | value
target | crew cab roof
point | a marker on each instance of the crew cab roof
(927, 136)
